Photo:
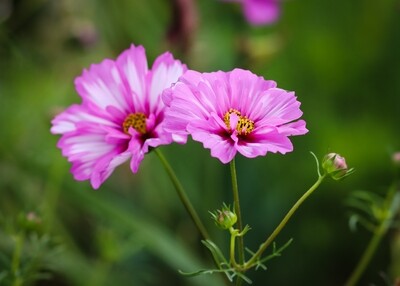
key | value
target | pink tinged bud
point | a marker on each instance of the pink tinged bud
(396, 158)
(335, 166)
(30, 222)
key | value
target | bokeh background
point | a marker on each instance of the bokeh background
(340, 57)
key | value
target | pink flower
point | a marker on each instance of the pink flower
(121, 115)
(260, 12)
(232, 112)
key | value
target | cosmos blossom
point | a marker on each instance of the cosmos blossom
(121, 115)
(260, 12)
(232, 112)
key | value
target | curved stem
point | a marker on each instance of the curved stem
(183, 196)
(283, 223)
(232, 247)
(236, 201)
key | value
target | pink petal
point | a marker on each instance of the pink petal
(211, 135)
(165, 72)
(132, 65)
(67, 120)
(261, 12)
(293, 128)
(102, 86)
(104, 168)
(135, 147)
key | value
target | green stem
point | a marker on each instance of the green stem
(367, 256)
(374, 242)
(236, 201)
(19, 242)
(183, 196)
(186, 202)
(283, 223)
(233, 233)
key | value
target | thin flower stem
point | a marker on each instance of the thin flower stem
(282, 224)
(182, 195)
(367, 256)
(379, 233)
(235, 191)
(232, 247)
(186, 202)
(19, 241)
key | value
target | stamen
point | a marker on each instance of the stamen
(243, 127)
(227, 116)
(135, 120)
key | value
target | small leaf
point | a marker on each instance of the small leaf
(199, 272)
(394, 208)
(244, 277)
(357, 219)
(261, 265)
(215, 251)
(276, 252)
(226, 271)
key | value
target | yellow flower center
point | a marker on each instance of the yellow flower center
(135, 120)
(244, 125)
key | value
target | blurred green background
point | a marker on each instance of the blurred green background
(340, 57)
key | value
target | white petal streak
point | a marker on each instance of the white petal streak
(132, 65)
(163, 78)
(67, 120)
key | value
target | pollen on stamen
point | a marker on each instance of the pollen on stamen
(244, 126)
(135, 120)
(227, 116)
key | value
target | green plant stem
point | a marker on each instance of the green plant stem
(183, 196)
(367, 256)
(186, 202)
(379, 233)
(16, 259)
(236, 201)
(232, 247)
(282, 224)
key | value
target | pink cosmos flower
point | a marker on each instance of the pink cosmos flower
(232, 112)
(121, 115)
(260, 12)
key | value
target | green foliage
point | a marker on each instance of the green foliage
(371, 210)
(230, 271)
(26, 253)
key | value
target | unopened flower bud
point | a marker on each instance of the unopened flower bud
(224, 218)
(396, 158)
(30, 222)
(335, 166)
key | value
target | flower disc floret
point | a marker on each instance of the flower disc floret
(234, 121)
(135, 120)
